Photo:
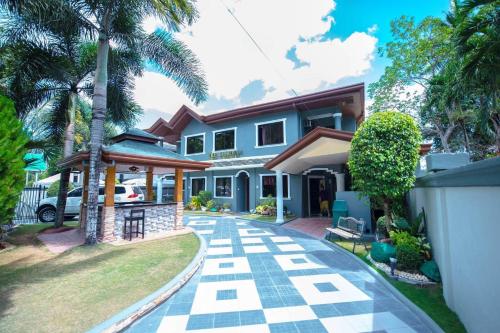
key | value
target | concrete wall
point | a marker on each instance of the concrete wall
(357, 207)
(462, 207)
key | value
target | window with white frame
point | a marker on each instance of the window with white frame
(270, 133)
(268, 186)
(195, 144)
(223, 186)
(198, 184)
(225, 139)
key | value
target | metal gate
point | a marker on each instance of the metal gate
(28, 203)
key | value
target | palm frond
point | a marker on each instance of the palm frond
(173, 59)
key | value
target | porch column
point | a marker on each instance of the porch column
(149, 184)
(178, 198)
(108, 213)
(85, 197)
(339, 177)
(279, 196)
(159, 189)
(338, 120)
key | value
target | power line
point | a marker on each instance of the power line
(257, 45)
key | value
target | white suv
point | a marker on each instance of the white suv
(46, 211)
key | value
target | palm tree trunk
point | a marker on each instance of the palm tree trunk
(96, 136)
(69, 139)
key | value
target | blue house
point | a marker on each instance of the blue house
(293, 149)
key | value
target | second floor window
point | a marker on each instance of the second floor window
(272, 133)
(195, 144)
(225, 140)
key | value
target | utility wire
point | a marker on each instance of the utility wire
(257, 45)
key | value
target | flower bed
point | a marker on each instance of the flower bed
(414, 278)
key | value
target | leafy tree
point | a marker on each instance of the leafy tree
(55, 70)
(12, 150)
(477, 37)
(384, 156)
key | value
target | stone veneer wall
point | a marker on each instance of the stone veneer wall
(158, 218)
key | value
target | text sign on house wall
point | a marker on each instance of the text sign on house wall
(225, 154)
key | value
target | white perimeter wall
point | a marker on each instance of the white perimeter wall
(464, 229)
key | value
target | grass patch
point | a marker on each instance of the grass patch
(75, 290)
(208, 213)
(429, 298)
(266, 218)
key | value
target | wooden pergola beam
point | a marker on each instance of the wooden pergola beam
(149, 184)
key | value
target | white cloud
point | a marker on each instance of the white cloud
(231, 61)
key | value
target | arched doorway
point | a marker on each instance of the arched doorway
(243, 191)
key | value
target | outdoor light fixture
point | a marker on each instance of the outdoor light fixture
(133, 169)
(393, 262)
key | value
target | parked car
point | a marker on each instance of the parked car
(46, 211)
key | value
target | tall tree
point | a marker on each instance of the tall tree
(53, 67)
(120, 22)
(477, 36)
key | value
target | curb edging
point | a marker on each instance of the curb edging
(128, 316)
(424, 317)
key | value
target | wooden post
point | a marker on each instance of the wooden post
(178, 198)
(149, 184)
(108, 211)
(85, 197)
(178, 185)
(109, 186)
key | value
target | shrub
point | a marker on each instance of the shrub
(204, 197)
(195, 203)
(12, 150)
(269, 201)
(226, 205)
(384, 155)
(260, 208)
(402, 237)
(53, 189)
(408, 255)
(210, 204)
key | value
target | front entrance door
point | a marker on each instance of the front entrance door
(243, 186)
(314, 185)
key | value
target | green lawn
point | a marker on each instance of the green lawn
(428, 298)
(266, 218)
(73, 291)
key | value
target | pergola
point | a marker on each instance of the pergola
(135, 151)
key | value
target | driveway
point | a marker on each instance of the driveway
(258, 278)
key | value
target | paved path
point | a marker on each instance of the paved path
(259, 278)
(63, 241)
(313, 226)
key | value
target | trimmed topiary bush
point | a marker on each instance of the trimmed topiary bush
(383, 158)
(12, 149)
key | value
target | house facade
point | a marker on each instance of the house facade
(294, 150)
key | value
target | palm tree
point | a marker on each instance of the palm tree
(477, 36)
(120, 22)
(56, 72)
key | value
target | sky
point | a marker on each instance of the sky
(308, 46)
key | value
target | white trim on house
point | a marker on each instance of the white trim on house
(191, 184)
(185, 144)
(288, 197)
(308, 171)
(232, 188)
(243, 158)
(283, 120)
(236, 167)
(235, 129)
(242, 171)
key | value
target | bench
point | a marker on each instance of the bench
(348, 228)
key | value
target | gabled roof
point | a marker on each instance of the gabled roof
(351, 98)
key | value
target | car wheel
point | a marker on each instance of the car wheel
(47, 214)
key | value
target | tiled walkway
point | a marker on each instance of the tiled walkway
(270, 279)
(313, 226)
